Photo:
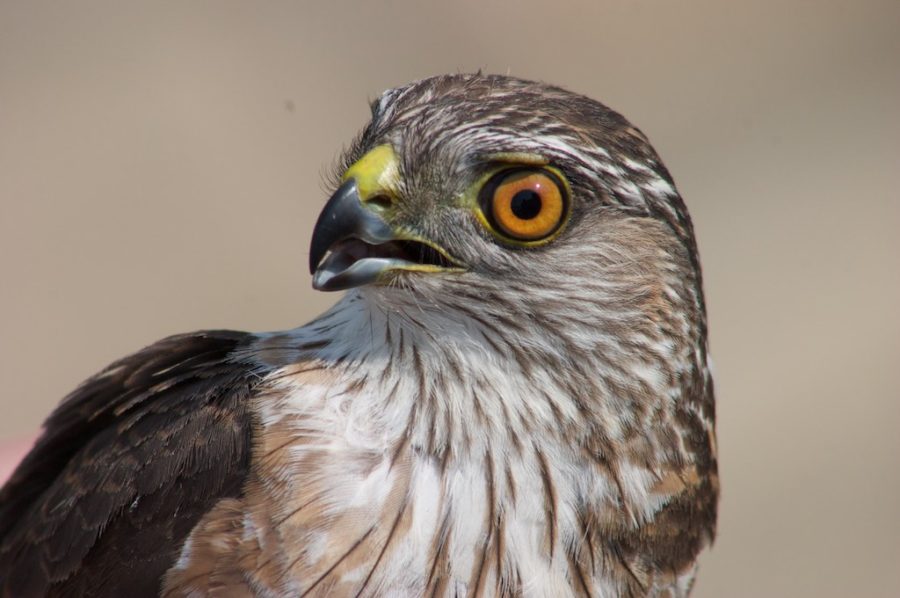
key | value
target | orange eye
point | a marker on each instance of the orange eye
(525, 204)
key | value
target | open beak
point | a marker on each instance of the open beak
(353, 245)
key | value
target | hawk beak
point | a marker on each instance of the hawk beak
(344, 217)
(352, 245)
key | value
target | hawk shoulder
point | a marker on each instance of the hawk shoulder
(126, 466)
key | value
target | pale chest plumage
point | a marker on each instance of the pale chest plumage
(375, 479)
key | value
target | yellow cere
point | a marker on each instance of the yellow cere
(376, 173)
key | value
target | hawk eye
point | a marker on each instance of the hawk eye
(524, 204)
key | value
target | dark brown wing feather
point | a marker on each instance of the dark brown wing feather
(127, 464)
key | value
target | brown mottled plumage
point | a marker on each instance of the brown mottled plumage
(505, 403)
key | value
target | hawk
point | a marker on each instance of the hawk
(513, 398)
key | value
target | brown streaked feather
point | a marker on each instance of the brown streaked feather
(549, 501)
(102, 504)
(482, 565)
(218, 532)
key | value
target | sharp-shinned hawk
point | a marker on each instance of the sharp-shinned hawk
(512, 398)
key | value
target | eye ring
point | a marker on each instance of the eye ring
(525, 205)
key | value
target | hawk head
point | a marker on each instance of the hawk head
(507, 198)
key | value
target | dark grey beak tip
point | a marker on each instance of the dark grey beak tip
(331, 225)
(343, 217)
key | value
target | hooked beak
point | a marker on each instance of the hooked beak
(352, 245)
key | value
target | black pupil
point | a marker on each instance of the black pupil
(526, 204)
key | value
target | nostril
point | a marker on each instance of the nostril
(380, 201)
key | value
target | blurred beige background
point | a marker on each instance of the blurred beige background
(160, 171)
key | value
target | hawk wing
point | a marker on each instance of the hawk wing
(126, 466)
